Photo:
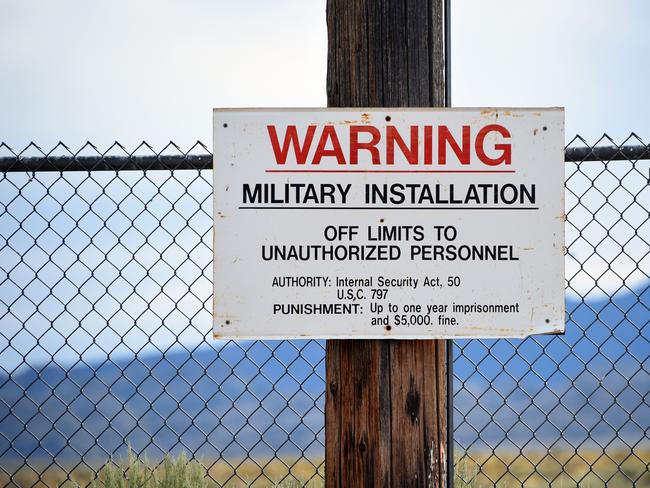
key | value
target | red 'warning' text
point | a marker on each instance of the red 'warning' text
(416, 147)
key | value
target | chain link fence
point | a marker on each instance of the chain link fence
(106, 346)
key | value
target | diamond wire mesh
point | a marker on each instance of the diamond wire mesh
(105, 337)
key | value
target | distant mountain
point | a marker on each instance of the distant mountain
(213, 401)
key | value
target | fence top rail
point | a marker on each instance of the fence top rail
(16, 162)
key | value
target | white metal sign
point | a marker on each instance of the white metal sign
(388, 223)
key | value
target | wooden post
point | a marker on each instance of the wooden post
(385, 400)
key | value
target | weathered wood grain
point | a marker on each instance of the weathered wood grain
(385, 401)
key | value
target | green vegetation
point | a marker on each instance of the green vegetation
(172, 473)
(179, 472)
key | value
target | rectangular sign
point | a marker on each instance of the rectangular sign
(388, 223)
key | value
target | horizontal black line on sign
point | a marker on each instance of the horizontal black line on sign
(384, 171)
(281, 207)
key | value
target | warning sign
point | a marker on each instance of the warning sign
(388, 223)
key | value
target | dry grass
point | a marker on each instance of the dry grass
(178, 472)
(560, 469)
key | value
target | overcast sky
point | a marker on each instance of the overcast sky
(131, 70)
(127, 70)
(78, 70)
